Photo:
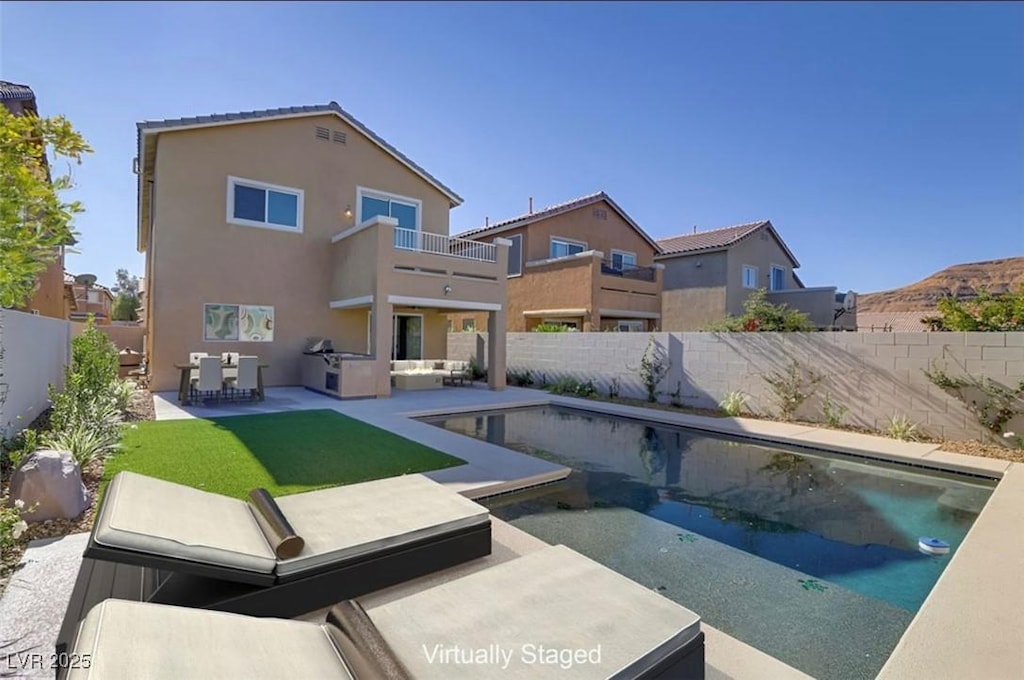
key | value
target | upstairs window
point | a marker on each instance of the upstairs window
(257, 204)
(564, 248)
(749, 276)
(515, 255)
(778, 280)
(379, 203)
(623, 260)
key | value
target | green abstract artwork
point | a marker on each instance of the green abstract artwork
(220, 322)
(245, 323)
(256, 323)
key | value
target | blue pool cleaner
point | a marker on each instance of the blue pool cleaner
(932, 546)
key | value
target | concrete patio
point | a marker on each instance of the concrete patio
(966, 628)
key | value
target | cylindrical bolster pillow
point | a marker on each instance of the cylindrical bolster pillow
(280, 535)
(362, 646)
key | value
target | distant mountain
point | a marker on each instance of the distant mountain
(962, 280)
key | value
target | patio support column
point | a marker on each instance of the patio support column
(497, 322)
(382, 328)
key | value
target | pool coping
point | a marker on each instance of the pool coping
(966, 627)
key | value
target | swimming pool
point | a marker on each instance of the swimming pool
(810, 557)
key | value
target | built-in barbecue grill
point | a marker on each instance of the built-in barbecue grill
(339, 374)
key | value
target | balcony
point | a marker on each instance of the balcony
(628, 271)
(379, 260)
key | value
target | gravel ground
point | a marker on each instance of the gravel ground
(140, 408)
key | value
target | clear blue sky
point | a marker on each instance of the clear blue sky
(884, 141)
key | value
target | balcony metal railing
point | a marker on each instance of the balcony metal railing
(439, 244)
(627, 271)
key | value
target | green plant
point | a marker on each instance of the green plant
(792, 387)
(761, 315)
(519, 378)
(901, 427)
(93, 432)
(654, 366)
(17, 447)
(34, 222)
(999, 406)
(986, 312)
(122, 392)
(734, 403)
(572, 387)
(476, 371)
(833, 411)
(551, 328)
(940, 378)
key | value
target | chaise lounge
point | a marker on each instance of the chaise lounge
(551, 614)
(161, 542)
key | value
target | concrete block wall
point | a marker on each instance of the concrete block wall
(874, 375)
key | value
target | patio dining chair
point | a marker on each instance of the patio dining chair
(211, 377)
(245, 378)
(193, 358)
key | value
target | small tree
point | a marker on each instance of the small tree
(987, 312)
(761, 315)
(126, 304)
(34, 221)
(792, 387)
(654, 366)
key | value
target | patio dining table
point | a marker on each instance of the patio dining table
(186, 376)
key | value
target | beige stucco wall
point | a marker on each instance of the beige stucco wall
(195, 256)
(48, 298)
(759, 250)
(691, 309)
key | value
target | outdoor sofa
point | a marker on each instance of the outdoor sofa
(551, 614)
(451, 372)
(161, 542)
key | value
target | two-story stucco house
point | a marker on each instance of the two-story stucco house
(265, 229)
(709, 275)
(584, 264)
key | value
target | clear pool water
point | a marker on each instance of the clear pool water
(811, 558)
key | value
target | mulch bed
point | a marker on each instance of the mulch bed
(140, 408)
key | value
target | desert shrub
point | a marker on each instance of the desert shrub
(12, 526)
(14, 449)
(92, 434)
(833, 411)
(761, 315)
(122, 392)
(572, 387)
(654, 366)
(476, 371)
(792, 387)
(519, 378)
(552, 328)
(613, 388)
(901, 427)
(734, 403)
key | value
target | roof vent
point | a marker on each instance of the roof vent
(339, 137)
(322, 133)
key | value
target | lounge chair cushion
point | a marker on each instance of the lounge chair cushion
(194, 643)
(349, 521)
(172, 520)
(554, 597)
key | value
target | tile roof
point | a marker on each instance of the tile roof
(551, 211)
(15, 91)
(294, 111)
(704, 240)
(895, 322)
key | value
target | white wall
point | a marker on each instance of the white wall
(875, 375)
(35, 351)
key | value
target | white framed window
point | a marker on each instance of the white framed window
(408, 211)
(749, 276)
(93, 296)
(563, 247)
(515, 256)
(631, 326)
(623, 260)
(778, 278)
(258, 204)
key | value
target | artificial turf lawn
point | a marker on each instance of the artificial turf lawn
(283, 453)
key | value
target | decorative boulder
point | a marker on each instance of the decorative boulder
(50, 484)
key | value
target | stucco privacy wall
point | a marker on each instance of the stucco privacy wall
(35, 351)
(875, 375)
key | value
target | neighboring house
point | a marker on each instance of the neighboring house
(709, 274)
(84, 297)
(264, 229)
(584, 264)
(48, 299)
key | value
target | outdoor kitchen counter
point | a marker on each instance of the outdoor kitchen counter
(344, 375)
